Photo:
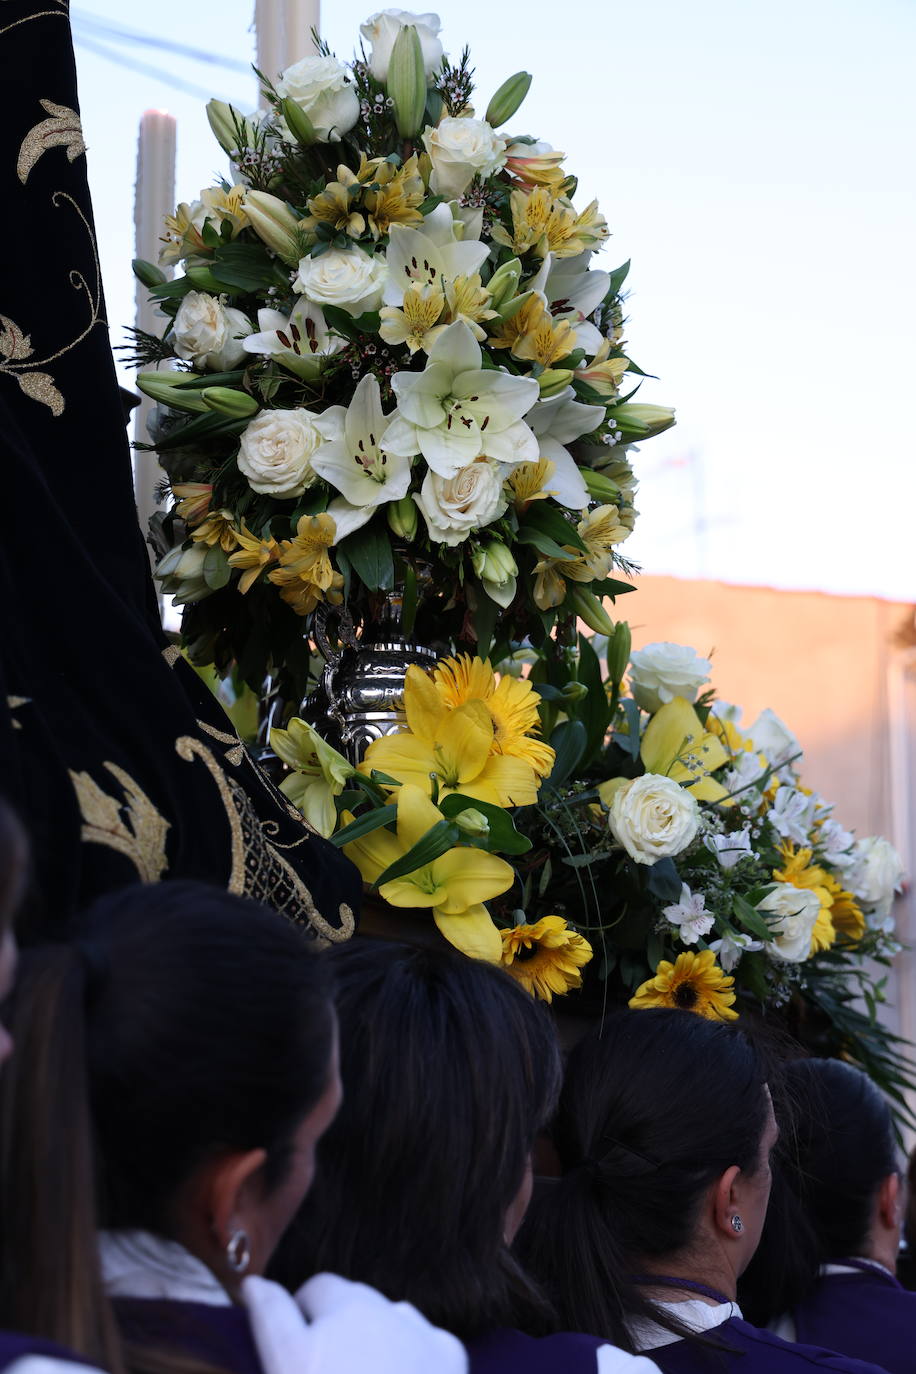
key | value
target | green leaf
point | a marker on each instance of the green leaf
(244, 265)
(655, 949)
(201, 427)
(568, 740)
(543, 543)
(549, 520)
(440, 838)
(664, 881)
(611, 586)
(369, 552)
(750, 919)
(340, 321)
(363, 825)
(486, 614)
(618, 277)
(216, 568)
(630, 741)
(595, 709)
(503, 837)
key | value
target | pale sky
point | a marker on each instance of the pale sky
(754, 159)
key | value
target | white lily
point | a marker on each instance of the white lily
(300, 341)
(572, 293)
(439, 252)
(354, 460)
(319, 775)
(455, 410)
(556, 422)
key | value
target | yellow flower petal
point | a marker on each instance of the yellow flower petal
(416, 815)
(470, 876)
(373, 853)
(473, 932)
(423, 704)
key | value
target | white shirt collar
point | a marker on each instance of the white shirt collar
(693, 1313)
(138, 1264)
(840, 1268)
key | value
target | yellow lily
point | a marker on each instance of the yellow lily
(319, 773)
(453, 744)
(454, 886)
(676, 744)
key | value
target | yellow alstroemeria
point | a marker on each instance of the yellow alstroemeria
(599, 529)
(254, 555)
(193, 501)
(416, 321)
(393, 195)
(603, 374)
(530, 482)
(550, 341)
(305, 575)
(454, 745)
(336, 206)
(319, 773)
(217, 528)
(676, 744)
(466, 299)
(454, 886)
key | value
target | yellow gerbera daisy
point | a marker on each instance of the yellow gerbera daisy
(693, 983)
(546, 958)
(845, 913)
(512, 704)
(799, 870)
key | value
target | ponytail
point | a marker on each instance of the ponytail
(50, 1284)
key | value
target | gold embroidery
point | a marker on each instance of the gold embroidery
(60, 13)
(140, 834)
(258, 870)
(63, 129)
(237, 753)
(171, 653)
(16, 346)
(14, 703)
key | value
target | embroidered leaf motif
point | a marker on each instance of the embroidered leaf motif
(13, 343)
(63, 129)
(41, 387)
(130, 824)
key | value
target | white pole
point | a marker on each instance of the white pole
(154, 199)
(284, 33)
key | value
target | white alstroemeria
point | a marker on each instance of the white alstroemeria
(572, 293)
(836, 844)
(730, 849)
(559, 421)
(746, 770)
(455, 410)
(439, 252)
(319, 773)
(690, 916)
(792, 814)
(775, 740)
(300, 341)
(353, 459)
(730, 948)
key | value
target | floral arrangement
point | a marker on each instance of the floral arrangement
(654, 828)
(389, 361)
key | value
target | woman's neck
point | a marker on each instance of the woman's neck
(714, 1282)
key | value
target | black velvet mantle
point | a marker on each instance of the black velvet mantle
(119, 760)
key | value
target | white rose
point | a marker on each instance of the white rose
(460, 150)
(454, 506)
(653, 817)
(876, 875)
(382, 29)
(319, 86)
(276, 452)
(772, 737)
(209, 333)
(661, 672)
(791, 913)
(345, 277)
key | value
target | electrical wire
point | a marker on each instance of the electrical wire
(144, 68)
(117, 34)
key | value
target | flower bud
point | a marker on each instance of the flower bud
(166, 389)
(618, 651)
(227, 400)
(298, 123)
(503, 284)
(574, 691)
(493, 562)
(202, 279)
(507, 99)
(641, 421)
(181, 573)
(150, 275)
(275, 224)
(402, 517)
(230, 129)
(554, 380)
(472, 822)
(407, 82)
(599, 487)
(588, 608)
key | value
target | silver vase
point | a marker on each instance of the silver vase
(360, 696)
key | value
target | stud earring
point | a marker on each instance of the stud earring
(737, 1224)
(238, 1251)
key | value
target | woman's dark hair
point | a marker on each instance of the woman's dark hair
(449, 1069)
(182, 1022)
(655, 1107)
(829, 1168)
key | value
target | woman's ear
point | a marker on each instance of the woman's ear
(219, 1213)
(726, 1204)
(890, 1202)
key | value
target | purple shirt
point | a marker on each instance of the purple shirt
(15, 1346)
(220, 1336)
(512, 1352)
(865, 1314)
(751, 1351)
